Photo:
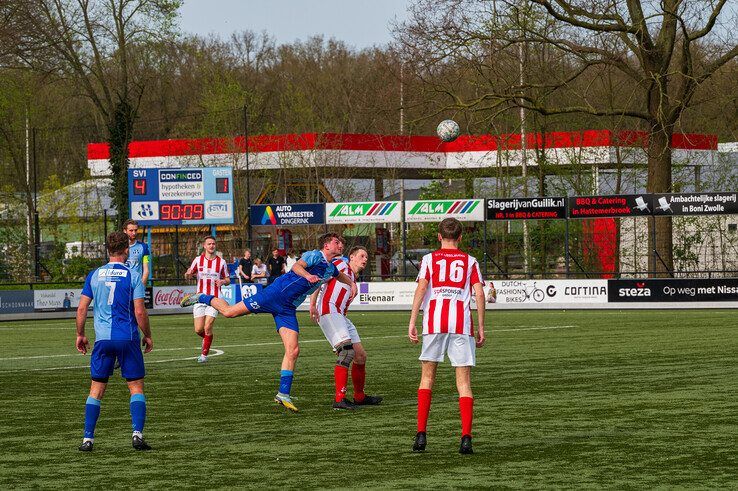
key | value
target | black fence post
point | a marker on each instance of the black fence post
(249, 230)
(176, 251)
(484, 242)
(36, 225)
(566, 246)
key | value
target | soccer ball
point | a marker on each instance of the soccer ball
(448, 130)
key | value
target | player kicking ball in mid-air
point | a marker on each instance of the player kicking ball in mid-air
(119, 313)
(445, 283)
(328, 308)
(212, 273)
(281, 298)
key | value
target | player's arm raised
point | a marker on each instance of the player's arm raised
(142, 319)
(481, 309)
(412, 331)
(82, 343)
(299, 269)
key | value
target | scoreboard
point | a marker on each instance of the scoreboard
(196, 196)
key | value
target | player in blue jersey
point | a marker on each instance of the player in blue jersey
(139, 255)
(119, 313)
(282, 297)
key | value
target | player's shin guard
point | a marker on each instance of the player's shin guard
(340, 375)
(92, 412)
(285, 381)
(466, 408)
(424, 403)
(138, 412)
(206, 342)
(358, 378)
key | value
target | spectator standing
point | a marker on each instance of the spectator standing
(245, 265)
(275, 264)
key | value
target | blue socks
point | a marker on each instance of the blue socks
(138, 412)
(206, 298)
(92, 412)
(285, 381)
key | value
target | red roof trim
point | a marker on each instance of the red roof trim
(397, 143)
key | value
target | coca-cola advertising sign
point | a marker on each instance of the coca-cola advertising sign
(168, 297)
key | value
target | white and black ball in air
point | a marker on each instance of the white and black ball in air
(448, 130)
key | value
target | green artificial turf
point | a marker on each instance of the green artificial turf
(562, 399)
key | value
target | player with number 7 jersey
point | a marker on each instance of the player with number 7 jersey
(446, 280)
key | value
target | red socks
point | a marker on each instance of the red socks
(340, 375)
(424, 402)
(466, 408)
(358, 378)
(206, 342)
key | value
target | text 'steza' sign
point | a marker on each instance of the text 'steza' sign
(526, 208)
(297, 214)
(695, 204)
(673, 290)
(620, 205)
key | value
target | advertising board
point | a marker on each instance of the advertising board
(366, 212)
(620, 205)
(674, 290)
(293, 214)
(546, 291)
(526, 208)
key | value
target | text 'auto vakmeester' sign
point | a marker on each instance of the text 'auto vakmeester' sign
(290, 214)
(470, 210)
(364, 212)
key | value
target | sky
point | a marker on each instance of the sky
(359, 23)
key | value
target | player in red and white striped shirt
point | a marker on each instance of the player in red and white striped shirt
(445, 283)
(328, 307)
(212, 273)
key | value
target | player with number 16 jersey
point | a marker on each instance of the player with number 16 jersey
(446, 280)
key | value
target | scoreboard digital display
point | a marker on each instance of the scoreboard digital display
(197, 196)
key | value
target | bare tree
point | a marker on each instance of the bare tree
(101, 47)
(659, 53)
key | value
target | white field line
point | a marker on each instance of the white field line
(214, 352)
(250, 345)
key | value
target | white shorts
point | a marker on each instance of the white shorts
(337, 328)
(460, 348)
(203, 309)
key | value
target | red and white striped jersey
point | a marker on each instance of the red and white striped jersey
(334, 295)
(208, 271)
(451, 274)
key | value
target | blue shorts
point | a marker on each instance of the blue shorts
(128, 353)
(265, 302)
